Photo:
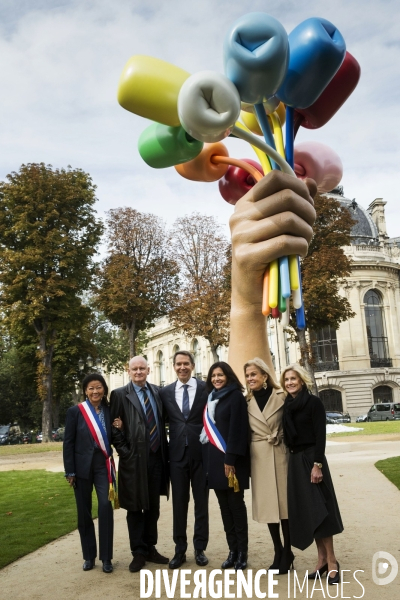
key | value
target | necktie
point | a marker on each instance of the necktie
(185, 402)
(151, 420)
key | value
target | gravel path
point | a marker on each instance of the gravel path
(368, 502)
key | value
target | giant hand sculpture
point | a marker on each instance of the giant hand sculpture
(273, 219)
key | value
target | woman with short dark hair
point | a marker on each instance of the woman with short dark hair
(226, 457)
(88, 462)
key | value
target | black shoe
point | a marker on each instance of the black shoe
(88, 565)
(178, 560)
(155, 557)
(230, 561)
(277, 560)
(137, 563)
(241, 562)
(321, 571)
(286, 563)
(336, 578)
(107, 566)
(201, 558)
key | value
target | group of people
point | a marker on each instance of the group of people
(221, 435)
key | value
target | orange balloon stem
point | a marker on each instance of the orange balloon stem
(227, 160)
(265, 308)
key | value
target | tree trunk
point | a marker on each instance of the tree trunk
(214, 353)
(131, 328)
(45, 376)
(56, 413)
(305, 358)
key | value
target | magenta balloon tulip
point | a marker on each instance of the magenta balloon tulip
(237, 182)
(319, 162)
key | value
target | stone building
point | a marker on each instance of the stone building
(357, 365)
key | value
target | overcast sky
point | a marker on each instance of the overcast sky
(61, 60)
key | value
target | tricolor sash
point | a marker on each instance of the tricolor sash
(215, 438)
(212, 432)
(99, 435)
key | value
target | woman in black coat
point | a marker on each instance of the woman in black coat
(85, 466)
(228, 464)
(313, 509)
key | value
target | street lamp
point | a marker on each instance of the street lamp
(89, 362)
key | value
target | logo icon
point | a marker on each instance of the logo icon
(381, 561)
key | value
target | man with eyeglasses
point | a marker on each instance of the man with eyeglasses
(143, 466)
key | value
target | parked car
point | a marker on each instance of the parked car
(362, 418)
(39, 437)
(334, 417)
(26, 437)
(385, 411)
(58, 435)
(10, 434)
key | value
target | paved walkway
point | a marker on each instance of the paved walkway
(370, 509)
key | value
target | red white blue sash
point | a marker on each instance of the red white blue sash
(99, 435)
(212, 432)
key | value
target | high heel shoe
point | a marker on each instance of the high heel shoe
(277, 560)
(286, 563)
(321, 571)
(230, 561)
(336, 578)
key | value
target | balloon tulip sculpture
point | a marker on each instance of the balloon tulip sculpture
(308, 73)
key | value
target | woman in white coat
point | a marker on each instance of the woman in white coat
(269, 458)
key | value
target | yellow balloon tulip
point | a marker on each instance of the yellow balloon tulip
(149, 87)
(250, 120)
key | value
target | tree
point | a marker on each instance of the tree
(138, 279)
(202, 307)
(48, 237)
(323, 271)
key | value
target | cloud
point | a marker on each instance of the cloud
(61, 61)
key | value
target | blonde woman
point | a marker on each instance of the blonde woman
(269, 458)
(313, 509)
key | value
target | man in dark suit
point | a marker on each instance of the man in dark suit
(143, 461)
(184, 402)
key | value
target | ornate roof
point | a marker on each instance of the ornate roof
(364, 231)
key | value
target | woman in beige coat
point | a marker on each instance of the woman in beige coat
(269, 458)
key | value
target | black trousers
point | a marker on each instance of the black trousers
(142, 524)
(185, 473)
(83, 496)
(234, 518)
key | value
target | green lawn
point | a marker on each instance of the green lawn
(390, 467)
(376, 428)
(30, 448)
(36, 507)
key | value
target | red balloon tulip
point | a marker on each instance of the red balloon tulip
(332, 98)
(237, 182)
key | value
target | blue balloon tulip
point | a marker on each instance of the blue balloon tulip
(317, 49)
(256, 56)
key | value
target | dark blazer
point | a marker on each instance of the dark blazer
(232, 421)
(134, 447)
(78, 446)
(181, 430)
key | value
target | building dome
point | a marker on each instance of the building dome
(364, 231)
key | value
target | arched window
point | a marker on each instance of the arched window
(331, 399)
(383, 393)
(197, 358)
(161, 366)
(324, 349)
(376, 331)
